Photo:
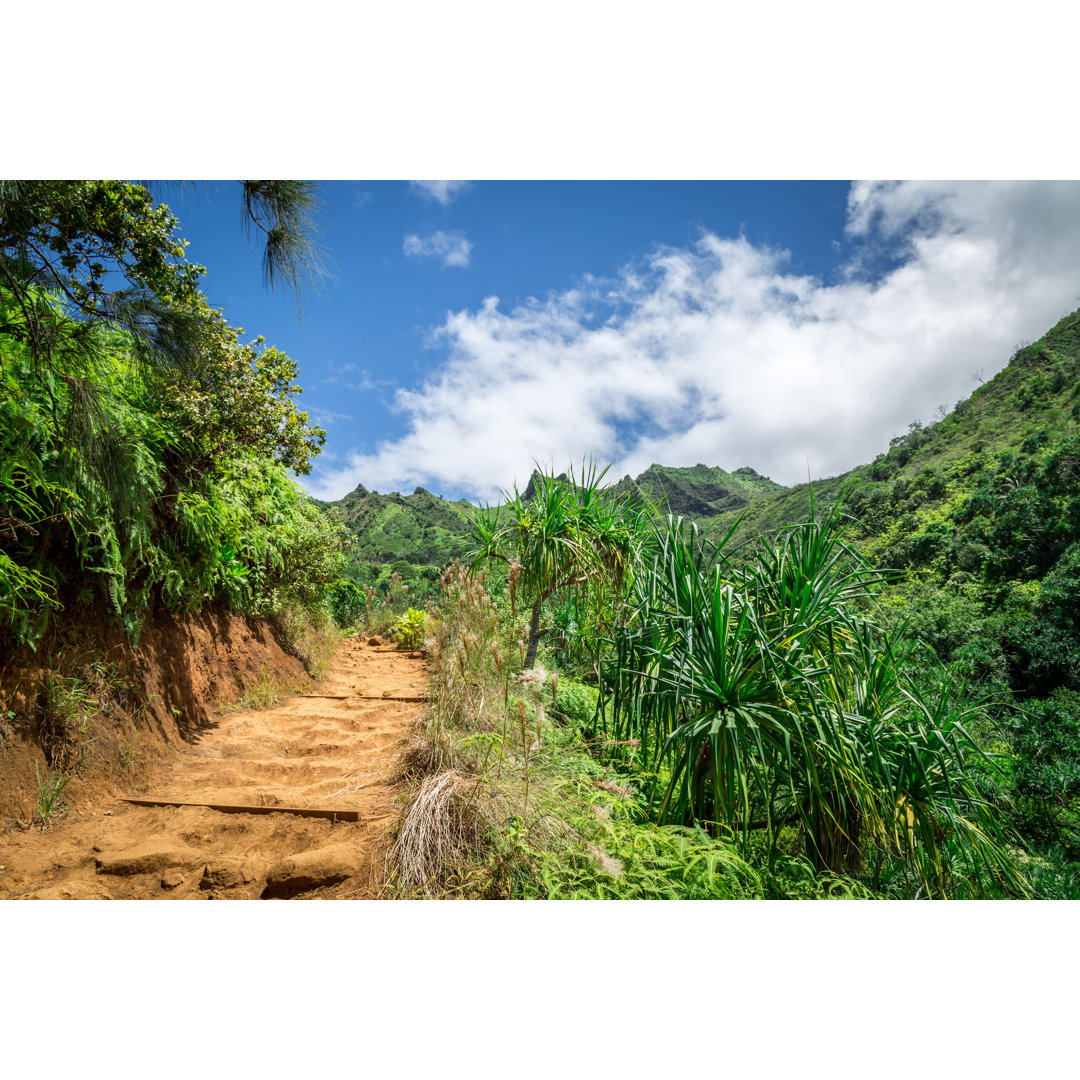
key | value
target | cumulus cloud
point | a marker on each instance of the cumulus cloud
(452, 248)
(719, 354)
(443, 192)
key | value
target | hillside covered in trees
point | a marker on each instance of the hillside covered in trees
(980, 512)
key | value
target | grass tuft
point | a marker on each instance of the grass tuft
(264, 694)
(441, 831)
(50, 788)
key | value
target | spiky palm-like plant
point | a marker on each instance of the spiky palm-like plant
(766, 696)
(570, 536)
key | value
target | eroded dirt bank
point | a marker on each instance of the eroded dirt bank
(88, 707)
(333, 747)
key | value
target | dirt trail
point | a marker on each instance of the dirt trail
(333, 747)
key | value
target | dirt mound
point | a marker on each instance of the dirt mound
(334, 747)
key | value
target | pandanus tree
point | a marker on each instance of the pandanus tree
(764, 696)
(569, 536)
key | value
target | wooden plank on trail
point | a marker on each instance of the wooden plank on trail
(362, 697)
(225, 808)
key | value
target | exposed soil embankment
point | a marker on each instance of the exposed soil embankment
(333, 747)
(88, 707)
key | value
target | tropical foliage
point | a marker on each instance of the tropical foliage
(569, 538)
(146, 448)
(765, 696)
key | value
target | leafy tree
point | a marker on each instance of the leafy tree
(238, 397)
(64, 247)
(63, 243)
(71, 240)
(144, 446)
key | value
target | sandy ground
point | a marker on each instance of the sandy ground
(334, 747)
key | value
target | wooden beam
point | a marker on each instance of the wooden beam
(225, 808)
(362, 697)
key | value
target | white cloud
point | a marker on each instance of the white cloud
(452, 248)
(326, 417)
(720, 354)
(443, 192)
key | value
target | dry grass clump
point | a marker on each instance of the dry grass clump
(441, 830)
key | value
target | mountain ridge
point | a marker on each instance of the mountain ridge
(416, 535)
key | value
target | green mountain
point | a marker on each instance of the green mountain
(699, 491)
(416, 535)
(1030, 404)
(419, 528)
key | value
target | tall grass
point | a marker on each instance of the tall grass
(49, 790)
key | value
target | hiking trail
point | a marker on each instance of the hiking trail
(333, 747)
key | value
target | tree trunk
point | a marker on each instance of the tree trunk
(534, 637)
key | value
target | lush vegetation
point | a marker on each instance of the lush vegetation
(146, 450)
(754, 725)
(514, 796)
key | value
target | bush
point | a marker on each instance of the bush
(576, 704)
(410, 629)
(1047, 745)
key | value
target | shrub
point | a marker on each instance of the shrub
(576, 703)
(1047, 745)
(410, 628)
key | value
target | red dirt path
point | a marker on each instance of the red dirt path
(335, 746)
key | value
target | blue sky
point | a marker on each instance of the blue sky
(469, 328)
